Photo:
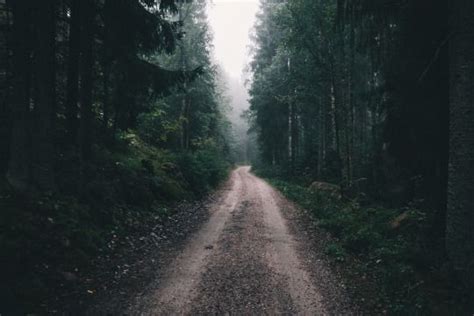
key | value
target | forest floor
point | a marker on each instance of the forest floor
(250, 252)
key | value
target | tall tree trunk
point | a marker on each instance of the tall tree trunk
(342, 94)
(351, 98)
(184, 141)
(294, 135)
(336, 105)
(321, 138)
(18, 167)
(187, 122)
(73, 72)
(43, 166)
(105, 86)
(5, 84)
(85, 127)
(290, 137)
(460, 212)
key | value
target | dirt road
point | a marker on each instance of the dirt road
(246, 259)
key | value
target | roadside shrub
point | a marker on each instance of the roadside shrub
(45, 236)
(335, 251)
(156, 127)
(386, 244)
(203, 169)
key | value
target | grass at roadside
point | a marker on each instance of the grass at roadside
(385, 248)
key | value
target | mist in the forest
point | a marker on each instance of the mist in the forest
(231, 25)
(244, 147)
(186, 136)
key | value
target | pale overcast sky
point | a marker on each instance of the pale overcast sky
(231, 21)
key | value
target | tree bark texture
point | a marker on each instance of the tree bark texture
(18, 167)
(460, 211)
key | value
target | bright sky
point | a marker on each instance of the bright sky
(231, 21)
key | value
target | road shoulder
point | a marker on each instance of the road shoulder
(312, 242)
(135, 271)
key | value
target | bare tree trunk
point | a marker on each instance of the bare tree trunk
(321, 138)
(351, 105)
(85, 129)
(73, 72)
(460, 212)
(5, 85)
(187, 116)
(295, 129)
(335, 107)
(334, 121)
(290, 137)
(43, 167)
(105, 87)
(184, 102)
(18, 167)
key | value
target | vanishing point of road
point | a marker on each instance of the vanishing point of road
(248, 258)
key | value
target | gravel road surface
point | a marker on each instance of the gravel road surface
(248, 258)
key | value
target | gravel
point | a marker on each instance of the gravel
(247, 250)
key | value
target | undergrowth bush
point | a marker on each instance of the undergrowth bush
(44, 236)
(203, 169)
(389, 244)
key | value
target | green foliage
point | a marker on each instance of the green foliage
(335, 251)
(156, 127)
(332, 95)
(135, 183)
(385, 243)
(143, 138)
(203, 169)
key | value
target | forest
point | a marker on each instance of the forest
(374, 97)
(118, 143)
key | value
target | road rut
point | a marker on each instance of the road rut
(246, 259)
